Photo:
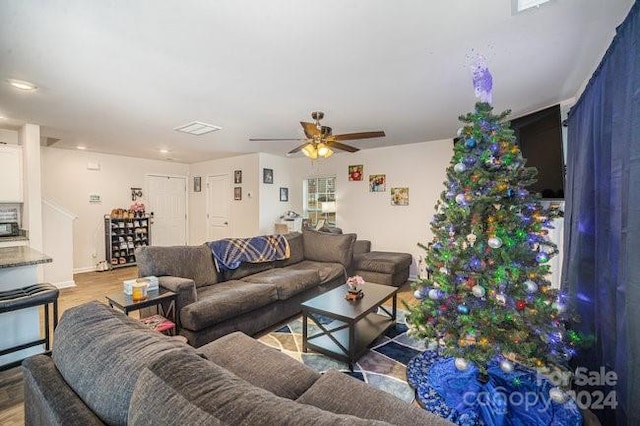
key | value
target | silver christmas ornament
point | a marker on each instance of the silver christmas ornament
(501, 299)
(495, 242)
(434, 294)
(530, 286)
(558, 395)
(459, 168)
(506, 366)
(461, 364)
(418, 294)
(478, 290)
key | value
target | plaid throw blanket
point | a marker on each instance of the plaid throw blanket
(231, 252)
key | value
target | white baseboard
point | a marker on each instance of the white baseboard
(84, 269)
(65, 284)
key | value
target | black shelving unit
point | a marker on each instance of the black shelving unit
(122, 236)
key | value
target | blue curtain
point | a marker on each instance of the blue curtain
(601, 268)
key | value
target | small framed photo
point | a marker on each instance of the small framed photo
(356, 172)
(267, 175)
(399, 196)
(197, 184)
(284, 194)
(237, 193)
(237, 176)
(377, 183)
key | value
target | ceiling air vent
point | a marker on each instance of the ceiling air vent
(518, 6)
(47, 141)
(197, 128)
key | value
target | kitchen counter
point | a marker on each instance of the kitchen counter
(11, 257)
(16, 238)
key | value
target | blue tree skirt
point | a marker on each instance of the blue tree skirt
(519, 398)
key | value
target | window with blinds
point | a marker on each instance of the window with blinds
(320, 199)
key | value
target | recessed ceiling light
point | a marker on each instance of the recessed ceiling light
(521, 5)
(81, 147)
(197, 128)
(164, 151)
(21, 84)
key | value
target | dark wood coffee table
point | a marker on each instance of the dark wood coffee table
(355, 324)
(125, 302)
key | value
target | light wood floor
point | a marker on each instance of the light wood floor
(89, 286)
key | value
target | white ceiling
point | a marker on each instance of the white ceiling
(117, 76)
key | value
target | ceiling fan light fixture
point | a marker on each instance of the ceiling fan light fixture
(323, 150)
(310, 151)
(329, 153)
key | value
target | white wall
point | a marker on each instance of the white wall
(284, 176)
(244, 214)
(67, 182)
(421, 167)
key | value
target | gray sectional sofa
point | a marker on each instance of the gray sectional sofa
(253, 297)
(106, 368)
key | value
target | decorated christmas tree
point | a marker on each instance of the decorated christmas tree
(488, 296)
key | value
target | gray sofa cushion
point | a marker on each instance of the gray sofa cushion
(246, 269)
(339, 393)
(219, 302)
(327, 271)
(101, 352)
(324, 247)
(276, 372)
(296, 248)
(289, 282)
(189, 390)
(193, 262)
(382, 261)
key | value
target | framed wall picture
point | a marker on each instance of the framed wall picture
(237, 176)
(284, 194)
(267, 175)
(377, 183)
(237, 193)
(197, 184)
(356, 172)
(399, 196)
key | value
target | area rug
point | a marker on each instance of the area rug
(383, 366)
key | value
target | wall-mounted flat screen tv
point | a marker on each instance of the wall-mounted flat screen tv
(539, 136)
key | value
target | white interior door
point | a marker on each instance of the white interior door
(218, 206)
(167, 199)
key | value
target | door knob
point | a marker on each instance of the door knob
(226, 223)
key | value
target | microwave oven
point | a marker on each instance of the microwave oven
(9, 229)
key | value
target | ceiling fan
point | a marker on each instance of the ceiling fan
(320, 141)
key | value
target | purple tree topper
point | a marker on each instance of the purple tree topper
(482, 79)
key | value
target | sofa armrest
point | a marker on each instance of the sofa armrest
(361, 246)
(48, 399)
(184, 288)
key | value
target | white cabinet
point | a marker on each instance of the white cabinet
(10, 174)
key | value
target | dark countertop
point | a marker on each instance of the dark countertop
(11, 257)
(16, 238)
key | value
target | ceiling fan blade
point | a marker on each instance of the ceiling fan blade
(361, 135)
(296, 149)
(310, 129)
(341, 146)
(268, 139)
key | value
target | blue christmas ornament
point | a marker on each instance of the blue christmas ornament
(475, 264)
(463, 309)
(509, 192)
(494, 148)
(469, 160)
(522, 192)
(470, 143)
